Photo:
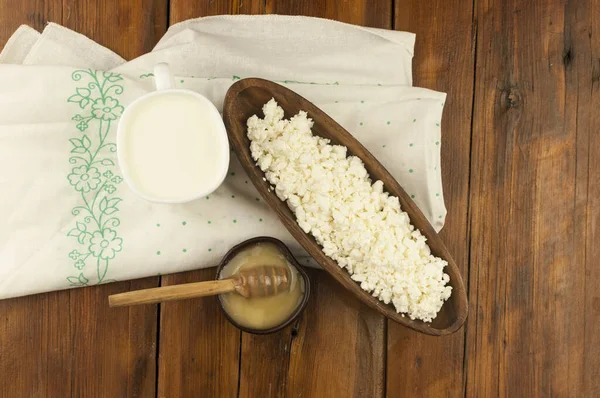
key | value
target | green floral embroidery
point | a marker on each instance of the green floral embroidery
(78, 280)
(93, 176)
(105, 244)
(74, 255)
(84, 178)
(106, 108)
(146, 75)
(82, 126)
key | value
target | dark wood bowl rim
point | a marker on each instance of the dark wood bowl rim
(290, 258)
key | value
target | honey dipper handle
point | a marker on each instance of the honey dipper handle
(169, 293)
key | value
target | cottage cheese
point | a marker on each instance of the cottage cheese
(357, 224)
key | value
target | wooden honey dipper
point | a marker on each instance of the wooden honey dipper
(254, 282)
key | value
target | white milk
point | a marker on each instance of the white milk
(173, 146)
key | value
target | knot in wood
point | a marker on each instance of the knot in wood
(511, 98)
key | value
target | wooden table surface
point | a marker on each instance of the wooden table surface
(521, 169)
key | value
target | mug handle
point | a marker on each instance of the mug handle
(163, 79)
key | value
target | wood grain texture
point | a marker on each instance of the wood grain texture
(588, 183)
(250, 7)
(180, 10)
(199, 349)
(128, 27)
(113, 350)
(187, 9)
(264, 369)
(59, 344)
(246, 98)
(444, 61)
(534, 262)
(374, 13)
(171, 293)
(339, 348)
(32, 344)
(35, 13)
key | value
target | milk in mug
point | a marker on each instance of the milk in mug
(172, 146)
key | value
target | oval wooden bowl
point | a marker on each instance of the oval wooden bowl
(246, 98)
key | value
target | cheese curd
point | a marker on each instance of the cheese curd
(357, 224)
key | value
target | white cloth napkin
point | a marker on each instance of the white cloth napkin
(67, 217)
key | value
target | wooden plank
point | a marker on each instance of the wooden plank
(70, 343)
(377, 14)
(285, 361)
(420, 365)
(35, 13)
(339, 349)
(588, 164)
(250, 7)
(533, 219)
(199, 348)
(128, 27)
(338, 346)
(264, 363)
(187, 9)
(113, 349)
(27, 337)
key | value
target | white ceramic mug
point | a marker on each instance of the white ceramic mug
(172, 144)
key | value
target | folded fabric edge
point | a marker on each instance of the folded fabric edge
(436, 158)
(383, 33)
(388, 34)
(19, 44)
(56, 31)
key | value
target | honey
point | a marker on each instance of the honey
(262, 312)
